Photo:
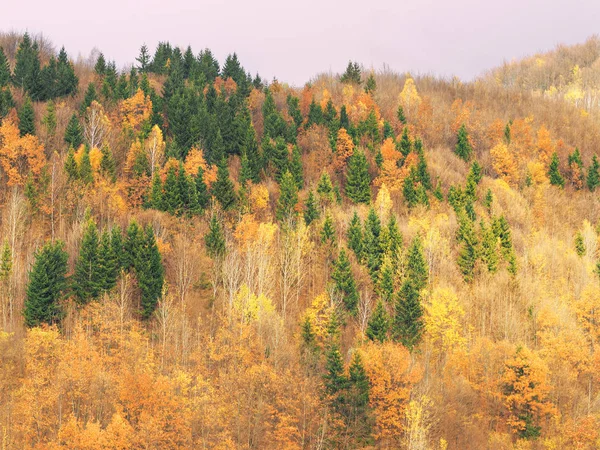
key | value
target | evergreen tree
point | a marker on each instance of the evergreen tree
(408, 319)
(422, 173)
(5, 75)
(100, 67)
(345, 120)
(411, 196)
(488, 248)
(27, 68)
(344, 282)
(488, 200)
(85, 167)
(155, 198)
(288, 197)
(386, 280)
(108, 263)
(405, 145)
(417, 270)
(222, 188)
(46, 285)
(379, 324)
(311, 211)
(293, 104)
(6, 102)
(400, 115)
(295, 167)
(27, 118)
(215, 239)
(352, 75)
(66, 80)
(87, 283)
(593, 175)
(370, 84)
(131, 246)
(325, 188)
(335, 380)
(117, 247)
(467, 256)
(556, 179)
(71, 168)
(355, 237)
(315, 114)
(108, 166)
(143, 59)
(359, 419)
(579, 244)
(201, 190)
(328, 230)
(171, 199)
(372, 250)
(358, 180)
(49, 119)
(150, 273)
(74, 132)
(463, 147)
(90, 96)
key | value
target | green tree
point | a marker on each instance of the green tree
(408, 318)
(417, 270)
(90, 96)
(27, 68)
(71, 168)
(46, 285)
(201, 189)
(108, 263)
(328, 230)
(370, 84)
(49, 119)
(85, 167)
(579, 244)
(359, 418)
(355, 237)
(556, 179)
(215, 239)
(87, 283)
(295, 167)
(311, 210)
(27, 118)
(288, 197)
(155, 197)
(379, 324)
(468, 253)
(143, 59)
(358, 180)
(100, 67)
(400, 115)
(352, 75)
(463, 146)
(325, 188)
(372, 250)
(222, 188)
(150, 273)
(593, 175)
(108, 166)
(74, 132)
(489, 252)
(344, 282)
(5, 75)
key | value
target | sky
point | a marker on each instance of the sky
(295, 41)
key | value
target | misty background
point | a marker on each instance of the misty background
(295, 41)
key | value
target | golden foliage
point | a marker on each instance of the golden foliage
(19, 156)
(344, 148)
(135, 110)
(409, 98)
(503, 162)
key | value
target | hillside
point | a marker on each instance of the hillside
(193, 257)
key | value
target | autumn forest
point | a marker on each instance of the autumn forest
(192, 256)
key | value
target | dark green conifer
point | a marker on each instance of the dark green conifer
(311, 210)
(593, 175)
(27, 118)
(215, 239)
(328, 230)
(85, 167)
(556, 179)
(344, 282)
(87, 283)
(355, 237)
(408, 318)
(288, 197)
(222, 188)
(358, 180)
(74, 132)
(379, 324)
(463, 146)
(417, 270)
(5, 75)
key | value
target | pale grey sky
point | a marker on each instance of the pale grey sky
(296, 40)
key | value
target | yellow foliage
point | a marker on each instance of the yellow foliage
(19, 155)
(504, 163)
(95, 159)
(383, 203)
(250, 307)
(135, 110)
(259, 197)
(443, 320)
(538, 172)
(409, 98)
(319, 314)
(193, 160)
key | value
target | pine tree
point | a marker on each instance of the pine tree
(144, 60)
(87, 284)
(288, 197)
(85, 167)
(46, 285)
(100, 67)
(467, 255)
(411, 196)
(335, 380)
(593, 176)
(325, 188)
(408, 319)
(90, 96)
(344, 282)
(579, 244)
(422, 173)
(118, 248)
(400, 115)
(49, 119)
(6, 102)
(352, 74)
(66, 80)
(74, 132)
(293, 104)
(328, 230)
(150, 273)
(379, 324)
(295, 167)
(108, 167)
(386, 280)
(108, 263)
(311, 211)
(131, 245)
(463, 146)
(155, 197)
(417, 270)
(489, 254)
(27, 118)
(355, 237)
(372, 250)
(370, 84)
(215, 239)
(488, 200)
(71, 168)
(201, 189)
(27, 68)
(171, 198)
(222, 188)
(405, 145)
(556, 179)
(5, 75)
(359, 419)
(345, 120)
(358, 180)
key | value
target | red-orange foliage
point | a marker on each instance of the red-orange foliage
(19, 156)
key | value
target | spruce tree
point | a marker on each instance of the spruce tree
(49, 119)
(67, 81)
(579, 244)
(288, 197)
(155, 197)
(85, 167)
(27, 118)
(144, 59)
(463, 147)
(311, 211)
(6, 102)
(46, 285)
(201, 189)
(417, 270)
(358, 180)
(467, 255)
(71, 168)
(27, 68)
(222, 188)
(325, 188)
(400, 115)
(411, 195)
(150, 273)
(100, 67)
(372, 250)
(215, 239)
(5, 75)
(408, 318)
(556, 179)
(344, 282)
(131, 245)
(359, 419)
(118, 248)
(74, 132)
(386, 280)
(352, 74)
(488, 200)
(370, 84)
(328, 230)
(295, 167)
(171, 198)
(379, 324)
(90, 96)
(355, 237)
(335, 379)
(405, 145)
(87, 283)
(489, 254)
(108, 263)
(593, 175)
(107, 164)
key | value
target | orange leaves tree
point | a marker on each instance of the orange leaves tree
(135, 111)
(344, 148)
(525, 390)
(19, 156)
(504, 163)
